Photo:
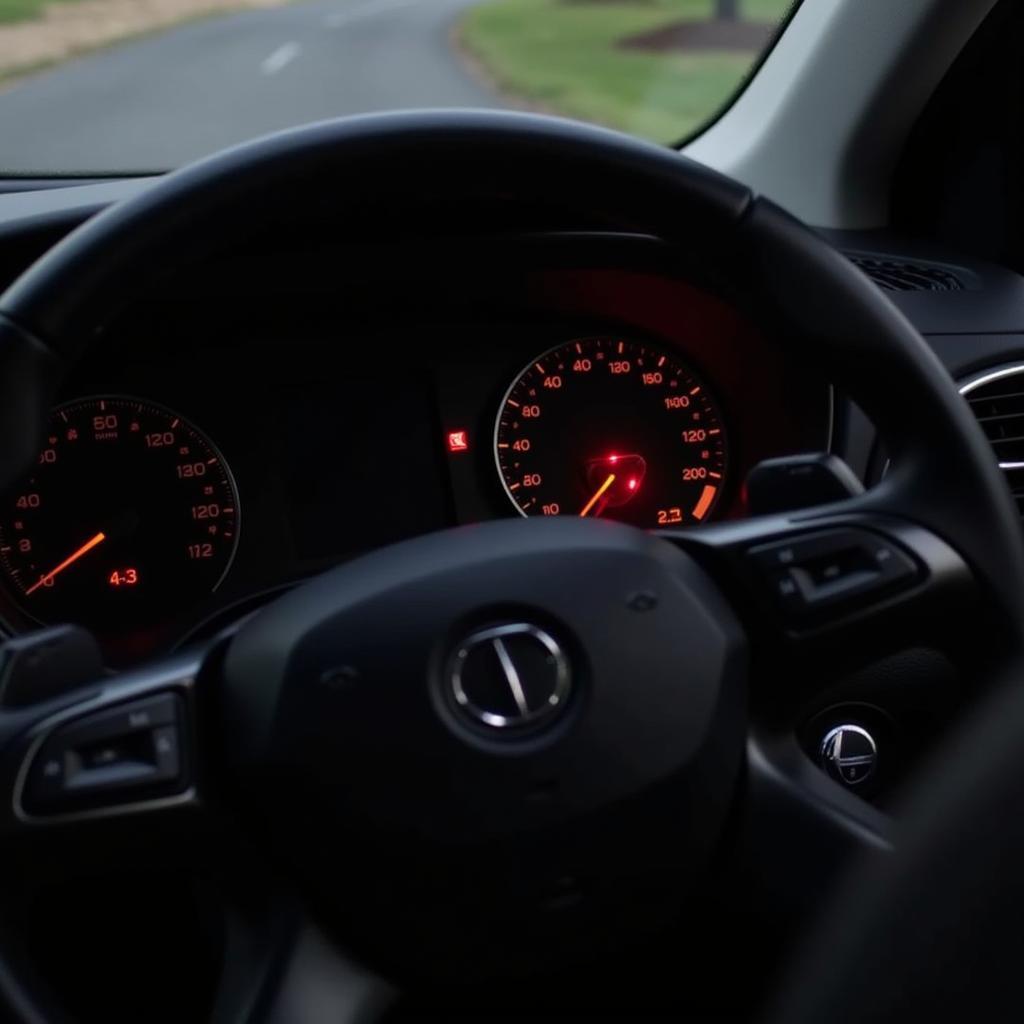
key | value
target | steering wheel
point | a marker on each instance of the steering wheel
(497, 750)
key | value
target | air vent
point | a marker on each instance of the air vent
(996, 398)
(903, 276)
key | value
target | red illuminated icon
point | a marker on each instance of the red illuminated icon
(458, 441)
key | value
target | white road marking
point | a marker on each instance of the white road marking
(339, 19)
(280, 58)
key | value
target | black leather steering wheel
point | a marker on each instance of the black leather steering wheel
(332, 725)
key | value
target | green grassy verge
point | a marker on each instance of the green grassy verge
(563, 55)
(21, 10)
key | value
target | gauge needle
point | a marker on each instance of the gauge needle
(70, 560)
(597, 496)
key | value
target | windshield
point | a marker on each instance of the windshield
(127, 86)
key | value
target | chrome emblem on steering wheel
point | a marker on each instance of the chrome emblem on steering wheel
(510, 676)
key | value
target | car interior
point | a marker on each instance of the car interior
(473, 564)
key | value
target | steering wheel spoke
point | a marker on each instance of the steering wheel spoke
(819, 592)
(842, 585)
(126, 746)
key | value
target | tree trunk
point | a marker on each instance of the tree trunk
(727, 10)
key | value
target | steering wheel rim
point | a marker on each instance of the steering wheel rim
(944, 480)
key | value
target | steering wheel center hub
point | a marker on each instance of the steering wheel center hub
(504, 692)
(513, 677)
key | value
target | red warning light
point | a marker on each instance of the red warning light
(632, 483)
(458, 441)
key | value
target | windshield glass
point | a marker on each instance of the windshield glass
(125, 86)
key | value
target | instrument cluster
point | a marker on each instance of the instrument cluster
(165, 503)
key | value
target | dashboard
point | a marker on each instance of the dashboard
(336, 396)
(253, 422)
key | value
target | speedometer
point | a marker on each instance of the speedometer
(129, 516)
(611, 427)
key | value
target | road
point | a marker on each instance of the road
(161, 100)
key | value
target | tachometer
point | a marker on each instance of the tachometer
(129, 516)
(615, 428)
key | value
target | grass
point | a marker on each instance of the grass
(21, 10)
(562, 55)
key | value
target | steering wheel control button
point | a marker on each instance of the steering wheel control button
(835, 567)
(509, 677)
(849, 755)
(114, 756)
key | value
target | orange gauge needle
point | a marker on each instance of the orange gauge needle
(597, 497)
(70, 560)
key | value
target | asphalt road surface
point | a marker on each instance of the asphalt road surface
(159, 101)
